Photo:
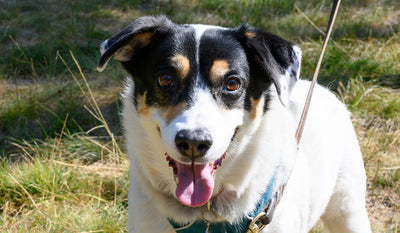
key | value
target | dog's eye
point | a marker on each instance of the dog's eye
(165, 80)
(232, 84)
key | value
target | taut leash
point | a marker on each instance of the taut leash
(334, 11)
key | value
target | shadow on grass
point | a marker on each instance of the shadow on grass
(33, 121)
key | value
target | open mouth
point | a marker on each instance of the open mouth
(195, 182)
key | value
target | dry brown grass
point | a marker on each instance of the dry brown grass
(376, 119)
(380, 143)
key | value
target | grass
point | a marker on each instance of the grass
(75, 177)
(53, 195)
(376, 117)
(62, 165)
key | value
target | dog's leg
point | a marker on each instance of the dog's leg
(143, 216)
(349, 221)
(346, 212)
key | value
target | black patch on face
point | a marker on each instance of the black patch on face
(225, 44)
(155, 60)
(219, 44)
(269, 56)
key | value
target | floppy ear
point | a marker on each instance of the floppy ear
(273, 57)
(133, 38)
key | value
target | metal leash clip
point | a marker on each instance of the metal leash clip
(256, 225)
(209, 217)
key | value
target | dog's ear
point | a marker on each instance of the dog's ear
(272, 57)
(133, 38)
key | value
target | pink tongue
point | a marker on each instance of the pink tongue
(195, 184)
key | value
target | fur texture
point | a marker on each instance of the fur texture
(207, 108)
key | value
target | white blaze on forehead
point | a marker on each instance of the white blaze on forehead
(201, 28)
(199, 31)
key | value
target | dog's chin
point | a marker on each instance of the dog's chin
(194, 181)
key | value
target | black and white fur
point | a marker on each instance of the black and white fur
(198, 94)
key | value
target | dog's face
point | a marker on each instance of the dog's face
(199, 84)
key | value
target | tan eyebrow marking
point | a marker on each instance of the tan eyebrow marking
(182, 63)
(218, 69)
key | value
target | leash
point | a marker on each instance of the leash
(334, 11)
(260, 220)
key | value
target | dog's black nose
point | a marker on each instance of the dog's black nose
(193, 143)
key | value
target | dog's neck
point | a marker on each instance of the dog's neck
(256, 220)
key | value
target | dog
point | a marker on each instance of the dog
(210, 115)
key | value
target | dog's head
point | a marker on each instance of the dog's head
(199, 84)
